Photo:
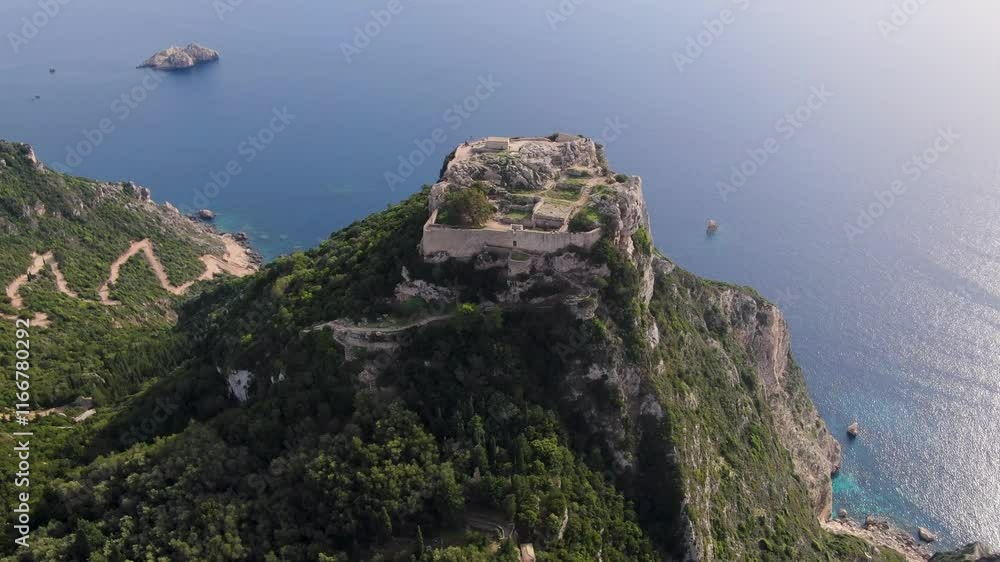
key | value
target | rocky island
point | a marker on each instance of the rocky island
(178, 58)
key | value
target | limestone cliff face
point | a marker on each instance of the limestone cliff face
(761, 329)
(626, 214)
(686, 386)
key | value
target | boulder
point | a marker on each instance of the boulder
(842, 514)
(925, 535)
(853, 429)
(206, 215)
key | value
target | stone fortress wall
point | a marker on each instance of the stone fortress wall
(467, 243)
(546, 158)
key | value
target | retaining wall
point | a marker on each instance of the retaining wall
(466, 243)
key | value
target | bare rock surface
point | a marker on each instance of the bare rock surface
(974, 552)
(179, 58)
(761, 328)
(878, 532)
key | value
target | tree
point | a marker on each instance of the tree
(421, 547)
(466, 207)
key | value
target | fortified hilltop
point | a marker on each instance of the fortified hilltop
(546, 193)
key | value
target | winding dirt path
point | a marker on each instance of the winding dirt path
(235, 262)
(37, 264)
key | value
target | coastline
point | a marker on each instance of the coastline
(881, 534)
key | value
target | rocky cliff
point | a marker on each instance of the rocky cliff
(662, 325)
(760, 328)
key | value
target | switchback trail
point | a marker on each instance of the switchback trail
(235, 262)
(231, 263)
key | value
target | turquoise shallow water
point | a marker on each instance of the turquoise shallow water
(896, 323)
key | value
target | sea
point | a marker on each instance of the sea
(849, 151)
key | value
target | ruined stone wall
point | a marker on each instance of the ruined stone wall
(465, 243)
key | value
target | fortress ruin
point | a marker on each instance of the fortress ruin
(541, 189)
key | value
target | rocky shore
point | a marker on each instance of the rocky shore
(178, 58)
(880, 533)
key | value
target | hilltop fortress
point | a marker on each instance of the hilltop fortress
(547, 194)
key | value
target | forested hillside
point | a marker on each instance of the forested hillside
(84, 226)
(470, 425)
(606, 406)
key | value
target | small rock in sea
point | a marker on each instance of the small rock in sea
(52, 70)
(842, 514)
(240, 237)
(37, 97)
(925, 535)
(206, 215)
(713, 227)
(852, 430)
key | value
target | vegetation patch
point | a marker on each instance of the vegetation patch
(466, 208)
(586, 219)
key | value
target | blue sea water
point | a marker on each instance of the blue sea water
(888, 268)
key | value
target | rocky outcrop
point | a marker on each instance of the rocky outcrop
(974, 552)
(30, 157)
(428, 292)
(177, 58)
(878, 532)
(530, 168)
(853, 430)
(624, 209)
(761, 329)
